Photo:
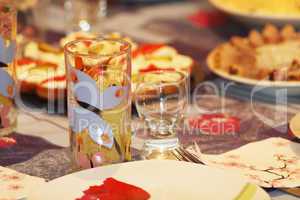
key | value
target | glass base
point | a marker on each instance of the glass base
(159, 148)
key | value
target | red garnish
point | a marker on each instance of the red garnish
(153, 68)
(39, 63)
(25, 61)
(146, 49)
(78, 62)
(206, 19)
(216, 124)
(113, 189)
(56, 79)
(6, 142)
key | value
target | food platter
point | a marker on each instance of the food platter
(256, 18)
(41, 69)
(266, 86)
(265, 60)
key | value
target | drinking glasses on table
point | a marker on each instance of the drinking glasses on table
(99, 101)
(8, 31)
(84, 15)
(161, 98)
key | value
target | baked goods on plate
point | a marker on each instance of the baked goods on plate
(158, 58)
(41, 62)
(268, 58)
(88, 35)
(41, 70)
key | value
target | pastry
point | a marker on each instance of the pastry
(273, 54)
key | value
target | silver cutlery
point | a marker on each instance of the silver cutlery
(184, 155)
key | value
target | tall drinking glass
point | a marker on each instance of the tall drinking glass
(8, 30)
(99, 101)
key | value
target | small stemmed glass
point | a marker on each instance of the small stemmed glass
(161, 98)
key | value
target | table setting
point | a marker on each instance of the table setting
(138, 100)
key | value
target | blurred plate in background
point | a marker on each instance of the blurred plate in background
(256, 19)
(270, 88)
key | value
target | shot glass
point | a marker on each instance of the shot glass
(161, 98)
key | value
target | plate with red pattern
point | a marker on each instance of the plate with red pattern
(151, 179)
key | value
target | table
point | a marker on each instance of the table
(43, 138)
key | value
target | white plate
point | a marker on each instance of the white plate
(164, 180)
(265, 86)
(257, 19)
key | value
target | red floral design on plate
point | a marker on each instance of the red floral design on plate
(234, 164)
(233, 156)
(14, 177)
(112, 189)
(14, 187)
(281, 144)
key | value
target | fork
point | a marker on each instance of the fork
(183, 155)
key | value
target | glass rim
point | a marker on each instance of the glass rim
(98, 39)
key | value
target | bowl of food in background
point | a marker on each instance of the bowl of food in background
(259, 12)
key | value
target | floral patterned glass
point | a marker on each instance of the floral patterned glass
(8, 113)
(99, 101)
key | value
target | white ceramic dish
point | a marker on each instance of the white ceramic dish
(267, 87)
(164, 180)
(257, 19)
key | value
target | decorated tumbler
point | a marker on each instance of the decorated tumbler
(8, 31)
(99, 101)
